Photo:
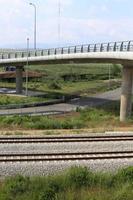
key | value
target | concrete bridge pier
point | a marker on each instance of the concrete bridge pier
(19, 80)
(126, 94)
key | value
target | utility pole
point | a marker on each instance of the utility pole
(32, 4)
(27, 64)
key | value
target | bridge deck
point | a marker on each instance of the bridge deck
(114, 52)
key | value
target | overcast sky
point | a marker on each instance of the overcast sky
(85, 21)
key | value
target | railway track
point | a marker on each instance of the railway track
(40, 157)
(20, 157)
(62, 139)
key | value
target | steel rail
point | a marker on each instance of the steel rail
(61, 139)
(65, 156)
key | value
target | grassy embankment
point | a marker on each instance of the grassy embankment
(104, 119)
(76, 79)
(65, 80)
(76, 184)
(68, 80)
(83, 79)
(13, 99)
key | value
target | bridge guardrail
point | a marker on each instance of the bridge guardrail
(123, 46)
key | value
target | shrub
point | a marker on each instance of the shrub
(48, 194)
(17, 186)
(78, 183)
(49, 123)
(56, 183)
(104, 180)
(116, 70)
(124, 175)
(124, 193)
(14, 120)
(72, 124)
(55, 85)
(79, 177)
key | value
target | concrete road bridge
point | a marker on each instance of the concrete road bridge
(114, 52)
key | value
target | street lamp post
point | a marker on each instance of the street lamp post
(109, 76)
(26, 72)
(32, 4)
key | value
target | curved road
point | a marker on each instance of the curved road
(72, 105)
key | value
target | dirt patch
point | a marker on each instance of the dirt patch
(65, 132)
(10, 75)
(66, 115)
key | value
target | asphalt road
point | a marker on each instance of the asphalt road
(72, 105)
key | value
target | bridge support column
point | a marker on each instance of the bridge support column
(126, 95)
(19, 80)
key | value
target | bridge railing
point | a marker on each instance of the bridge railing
(123, 46)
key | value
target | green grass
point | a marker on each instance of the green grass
(105, 118)
(69, 79)
(77, 183)
(69, 88)
(108, 116)
(7, 100)
(59, 70)
(39, 122)
(75, 78)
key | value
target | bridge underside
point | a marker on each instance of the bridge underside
(124, 58)
(126, 94)
(20, 63)
(120, 53)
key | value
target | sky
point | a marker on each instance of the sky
(81, 22)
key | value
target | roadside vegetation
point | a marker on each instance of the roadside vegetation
(106, 117)
(69, 71)
(77, 79)
(13, 99)
(77, 183)
(69, 79)
(62, 82)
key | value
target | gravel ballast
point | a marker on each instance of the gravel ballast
(67, 147)
(50, 167)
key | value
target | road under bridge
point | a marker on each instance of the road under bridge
(116, 52)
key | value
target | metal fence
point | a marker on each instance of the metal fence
(123, 46)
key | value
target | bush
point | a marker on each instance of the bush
(55, 85)
(17, 186)
(14, 120)
(48, 194)
(124, 193)
(49, 123)
(124, 175)
(116, 70)
(104, 180)
(78, 183)
(79, 177)
(56, 183)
